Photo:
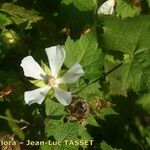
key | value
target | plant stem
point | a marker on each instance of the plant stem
(107, 73)
(14, 120)
(111, 70)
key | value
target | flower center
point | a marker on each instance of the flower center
(51, 81)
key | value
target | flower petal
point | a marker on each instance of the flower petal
(56, 56)
(36, 96)
(62, 96)
(72, 75)
(106, 8)
(32, 69)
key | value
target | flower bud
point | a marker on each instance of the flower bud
(8, 36)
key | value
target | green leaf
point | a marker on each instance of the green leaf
(144, 101)
(54, 108)
(85, 52)
(82, 5)
(131, 37)
(92, 121)
(125, 9)
(19, 14)
(136, 73)
(67, 134)
(90, 90)
(60, 147)
(4, 20)
(2, 51)
(14, 126)
(18, 20)
(114, 78)
(148, 141)
(148, 1)
(128, 36)
(105, 146)
(102, 113)
(64, 132)
(84, 135)
(46, 147)
(85, 5)
(67, 131)
(67, 2)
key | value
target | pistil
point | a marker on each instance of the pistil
(51, 81)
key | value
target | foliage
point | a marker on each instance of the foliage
(133, 42)
(126, 9)
(87, 46)
(84, 5)
(110, 105)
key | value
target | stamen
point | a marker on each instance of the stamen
(51, 81)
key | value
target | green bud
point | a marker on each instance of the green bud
(9, 36)
(126, 57)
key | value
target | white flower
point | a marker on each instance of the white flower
(106, 8)
(56, 56)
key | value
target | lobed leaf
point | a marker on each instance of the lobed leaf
(85, 52)
(131, 37)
